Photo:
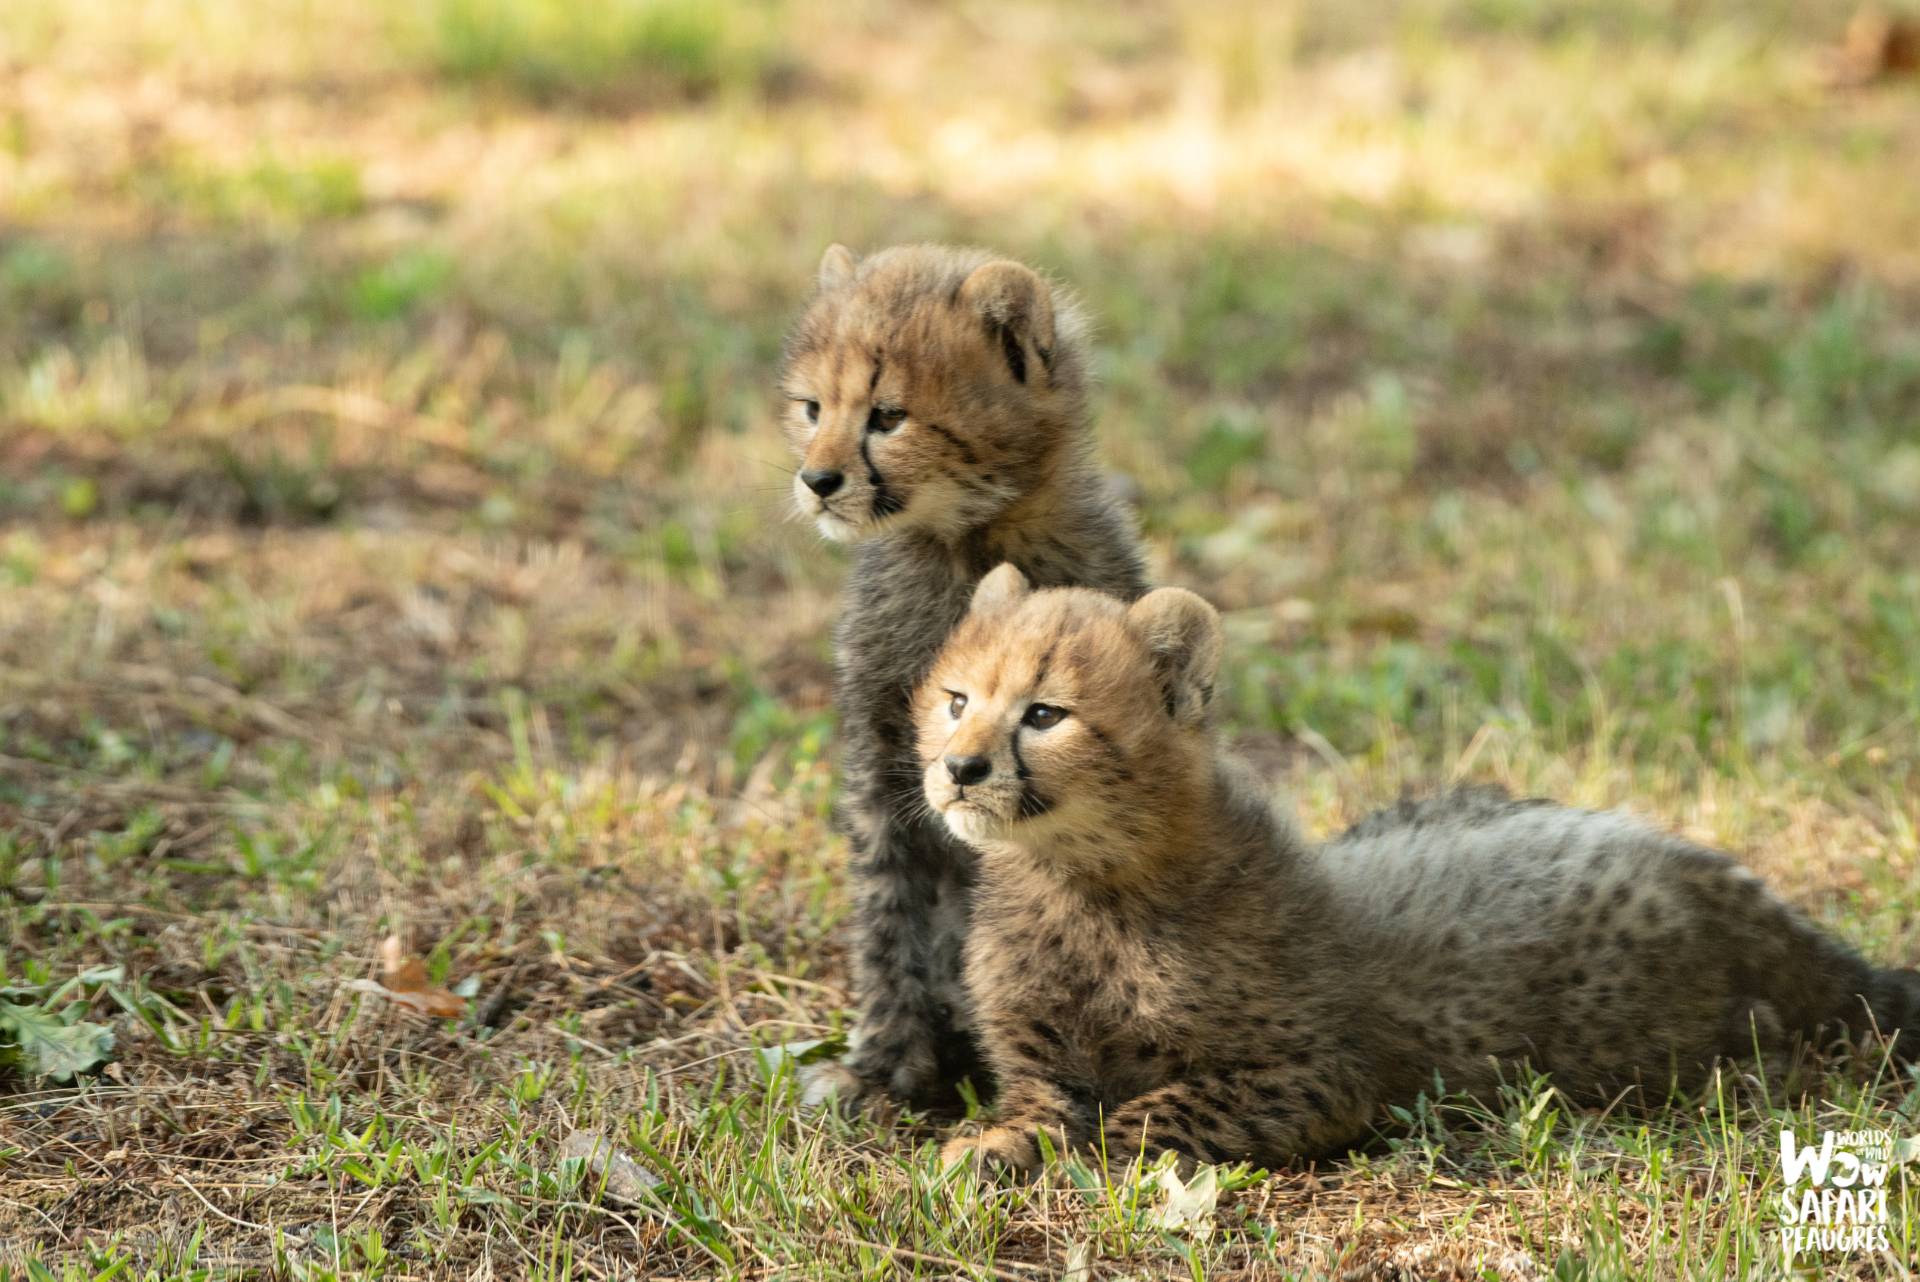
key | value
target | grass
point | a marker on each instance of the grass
(608, 51)
(393, 544)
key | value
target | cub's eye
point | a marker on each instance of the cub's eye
(813, 411)
(885, 419)
(958, 706)
(1043, 716)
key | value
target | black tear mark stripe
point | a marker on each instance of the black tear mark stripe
(879, 363)
(1032, 803)
(966, 451)
(884, 503)
(1020, 770)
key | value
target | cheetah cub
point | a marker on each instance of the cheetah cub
(937, 400)
(1158, 960)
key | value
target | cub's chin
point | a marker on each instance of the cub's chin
(972, 824)
(836, 530)
(839, 529)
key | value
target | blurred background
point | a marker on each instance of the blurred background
(394, 545)
(385, 390)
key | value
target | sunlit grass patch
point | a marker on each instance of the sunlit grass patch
(609, 50)
(112, 390)
(396, 286)
(268, 191)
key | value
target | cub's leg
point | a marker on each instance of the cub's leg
(1027, 1106)
(911, 884)
(1266, 1116)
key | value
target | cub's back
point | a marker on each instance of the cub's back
(1474, 864)
(1590, 943)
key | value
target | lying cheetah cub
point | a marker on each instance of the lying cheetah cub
(1158, 961)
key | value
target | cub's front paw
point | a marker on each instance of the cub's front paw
(831, 1084)
(1000, 1146)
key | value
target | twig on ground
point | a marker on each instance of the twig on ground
(245, 1224)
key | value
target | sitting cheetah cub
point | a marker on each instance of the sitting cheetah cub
(937, 399)
(1158, 961)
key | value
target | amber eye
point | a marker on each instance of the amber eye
(885, 419)
(1043, 716)
(958, 706)
(813, 411)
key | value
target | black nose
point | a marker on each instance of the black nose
(966, 770)
(822, 482)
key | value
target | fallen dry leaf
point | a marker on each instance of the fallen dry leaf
(404, 982)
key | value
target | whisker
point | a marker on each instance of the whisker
(923, 809)
(790, 468)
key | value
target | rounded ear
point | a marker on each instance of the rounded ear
(1002, 586)
(1017, 307)
(836, 266)
(1184, 634)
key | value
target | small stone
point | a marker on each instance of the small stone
(623, 1177)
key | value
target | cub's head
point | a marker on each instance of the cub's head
(1068, 724)
(928, 388)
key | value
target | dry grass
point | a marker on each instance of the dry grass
(392, 543)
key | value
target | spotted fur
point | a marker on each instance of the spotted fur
(937, 400)
(1159, 961)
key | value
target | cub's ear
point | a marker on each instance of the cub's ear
(836, 266)
(1017, 307)
(1185, 636)
(1003, 586)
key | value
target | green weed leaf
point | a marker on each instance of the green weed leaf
(58, 1049)
(1189, 1206)
(772, 1058)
